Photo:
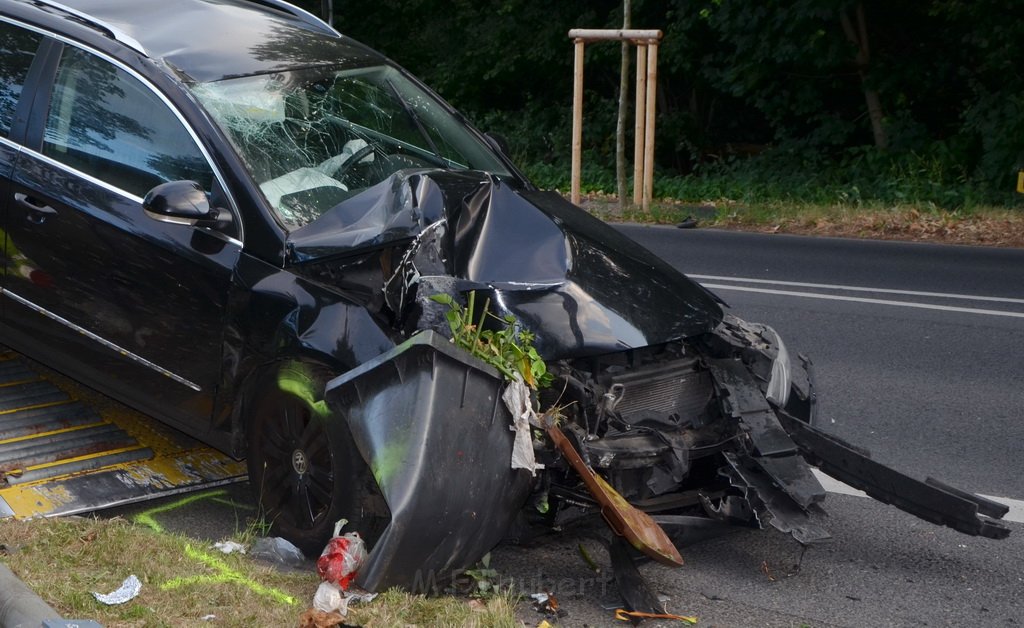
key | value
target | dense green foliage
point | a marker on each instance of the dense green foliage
(755, 98)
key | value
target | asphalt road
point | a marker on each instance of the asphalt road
(934, 391)
(931, 383)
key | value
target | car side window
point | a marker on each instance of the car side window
(17, 49)
(106, 123)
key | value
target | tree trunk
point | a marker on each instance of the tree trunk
(620, 125)
(858, 36)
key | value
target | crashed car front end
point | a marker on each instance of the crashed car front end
(389, 200)
(686, 427)
(690, 414)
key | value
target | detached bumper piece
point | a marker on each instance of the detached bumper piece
(775, 481)
(58, 456)
(429, 421)
(930, 500)
(778, 486)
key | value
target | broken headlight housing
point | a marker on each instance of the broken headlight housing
(779, 384)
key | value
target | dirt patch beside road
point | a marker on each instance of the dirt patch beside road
(981, 226)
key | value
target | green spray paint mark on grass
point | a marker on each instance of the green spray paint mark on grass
(146, 518)
(225, 575)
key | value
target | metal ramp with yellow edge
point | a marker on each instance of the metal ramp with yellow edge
(60, 456)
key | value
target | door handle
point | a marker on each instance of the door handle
(38, 212)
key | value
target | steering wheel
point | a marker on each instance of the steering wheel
(356, 157)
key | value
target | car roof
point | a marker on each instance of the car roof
(209, 40)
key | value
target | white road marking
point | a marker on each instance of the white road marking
(836, 297)
(826, 286)
(830, 484)
(833, 485)
(1016, 513)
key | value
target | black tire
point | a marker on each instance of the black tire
(303, 465)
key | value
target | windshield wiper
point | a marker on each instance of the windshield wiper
(415, 119)
(384, 138)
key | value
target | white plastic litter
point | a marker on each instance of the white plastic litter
(127, 591)
(517, 399)
(330, 598)
(229, 547)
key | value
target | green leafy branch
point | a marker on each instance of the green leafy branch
(509, 348)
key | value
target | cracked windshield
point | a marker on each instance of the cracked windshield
(313, 138)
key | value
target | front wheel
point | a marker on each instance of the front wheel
(303, 465)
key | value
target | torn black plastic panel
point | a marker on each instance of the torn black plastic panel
(770, 504)
(930, 500)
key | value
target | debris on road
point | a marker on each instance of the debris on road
(636, 592)
(128, 590)
(623, 615)
(545, 602)
(622, 517)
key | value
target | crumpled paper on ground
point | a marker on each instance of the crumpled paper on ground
(517, 399)
(127, 591)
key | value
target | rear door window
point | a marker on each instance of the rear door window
(17, 49)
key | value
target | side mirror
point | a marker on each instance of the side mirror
(183, 203)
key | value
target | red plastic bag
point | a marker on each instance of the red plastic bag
(341, 559)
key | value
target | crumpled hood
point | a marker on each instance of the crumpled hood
(581, 286)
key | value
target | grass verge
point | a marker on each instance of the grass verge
(978, 225)
(185, 581)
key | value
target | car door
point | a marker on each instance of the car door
(128, 304)
(17, 50)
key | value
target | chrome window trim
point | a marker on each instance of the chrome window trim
(163, 98)
(106, 343)
(116, 33)
(10, 143)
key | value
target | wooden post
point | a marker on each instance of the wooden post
(652, 93)
(646, 42)
(577, 122)
(638, 128)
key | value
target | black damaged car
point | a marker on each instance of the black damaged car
(233, 218)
